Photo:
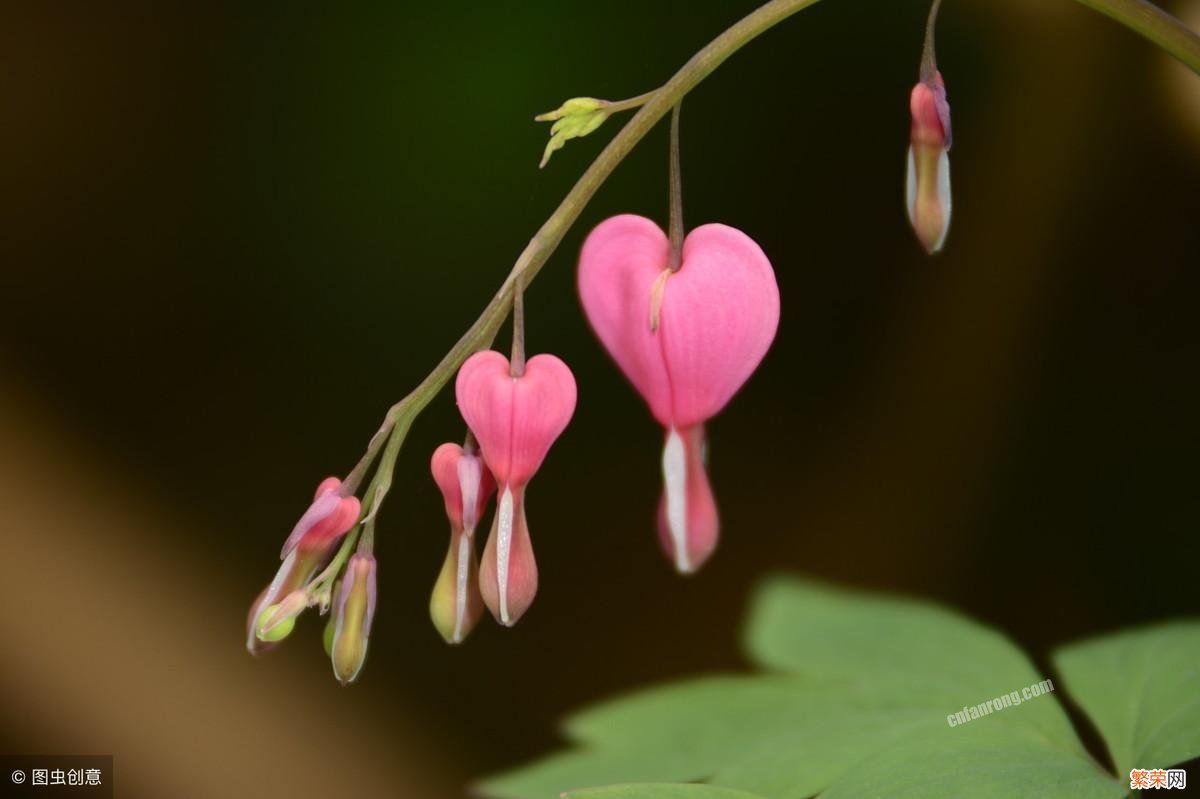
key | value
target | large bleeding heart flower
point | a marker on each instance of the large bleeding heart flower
(687, 340)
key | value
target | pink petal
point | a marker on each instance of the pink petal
(687, 512)
(327, 486)
(508, 574)
(619, 263)
(719, 315)
(327, 519)
(543, 404)
(515, 419)
(453, 471)
(444, 466)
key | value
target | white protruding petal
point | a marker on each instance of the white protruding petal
(470, 475)
(911, 188)
(268, 598)
(674, 466)
(460, 585)
(944, 200)
(504, 532)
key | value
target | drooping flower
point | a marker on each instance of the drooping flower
(328, 518)
(515, 419)
(466, 485)
(929, 199)
(687, 340)
(354, 610)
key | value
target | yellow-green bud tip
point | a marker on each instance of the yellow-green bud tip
(575, 118)
(277, 631)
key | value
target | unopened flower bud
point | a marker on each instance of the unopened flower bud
(456, 605)
(928, 188)
(327, 635)
(328, 518)
(466, 485)
(575, 118)
(297, 569)
(276, 621)
(354, 611)
(307, 549)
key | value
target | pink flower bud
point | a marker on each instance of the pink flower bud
(515, 420)
(353, 613)
(929, 201)
(466, 486)
(327, 519)
(687, 340)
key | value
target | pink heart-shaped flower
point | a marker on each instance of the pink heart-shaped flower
(717, 316)
(687, 340)
(515, 419)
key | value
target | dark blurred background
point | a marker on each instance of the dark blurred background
(231, 239)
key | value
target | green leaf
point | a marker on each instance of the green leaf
(967, 768)
(858, 700)
(660, 791)
(1141, 689)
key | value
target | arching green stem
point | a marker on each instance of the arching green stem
(1138, 15)
(1156, 25)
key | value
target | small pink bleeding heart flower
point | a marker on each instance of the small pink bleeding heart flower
(466, 485)
(515, 420)
(687, 340)
(928, 187)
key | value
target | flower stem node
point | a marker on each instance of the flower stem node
(466, 485)
(688, 339)
(515, 420)
(574, 119)
(354, 611)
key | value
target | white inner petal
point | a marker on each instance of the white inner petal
(674, 466)
(911, 193)
(943, 189)
(460, 586)
(470, 474)
(504, 531)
